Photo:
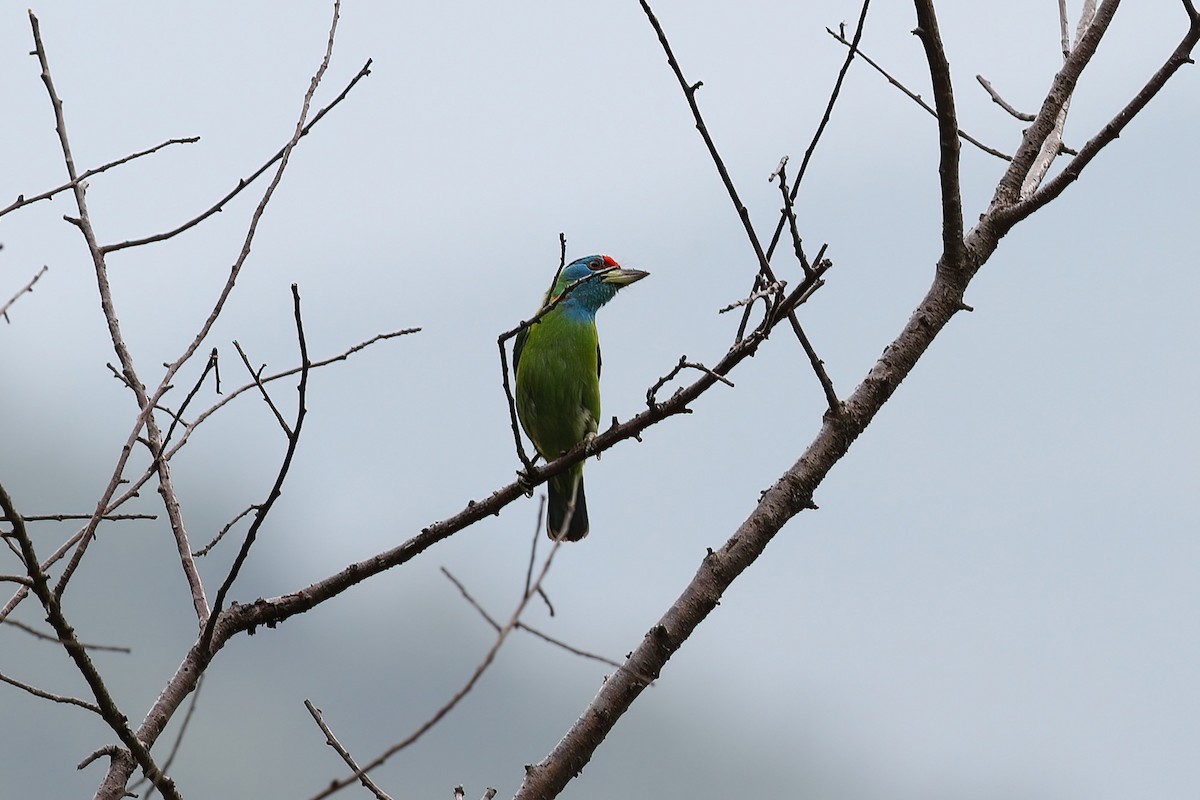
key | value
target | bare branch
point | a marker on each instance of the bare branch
(154, 436)
(293, 437)
(183, 728)
(57, 698)
(244, 182)
(22, 200)
(943, 96)
(333, 742)
(834, 94)
(132, 487)
(177, 418)
(1008, 190)
(768, 291)
(26, 288)
(689, 91)
(34, 632)
(1000, 101)
(65, 517)
(203, 551)
(916, 98)
(105, 705)
(256, 376)
(522, 626)
(1007, 216)
(482, 667)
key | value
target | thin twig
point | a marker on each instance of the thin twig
(177, 418)
(834, 94)
(65, 517)
(818, 366)
(482, 667)
(537, 534)
(527, 628)
(293, 442)
(1000, 101)
(689, 91)
(765, 275)
(146, 406)
(333, 742)
(244, 182)
(26, 288)
(916, 98)
(58, 698)
(105, 705)
(682, 364)
(203, 551)
(132, 487)
(767, 291)
(34, 632)
(22, 200)
(256, 375)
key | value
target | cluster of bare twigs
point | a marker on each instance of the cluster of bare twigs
(1021, 191)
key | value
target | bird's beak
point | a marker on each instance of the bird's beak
(623, 277)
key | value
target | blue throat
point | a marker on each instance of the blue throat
(585, 300)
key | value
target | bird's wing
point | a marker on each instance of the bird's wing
(598, 359)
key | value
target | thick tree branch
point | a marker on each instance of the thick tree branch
(1008, 190)
(1182, 54)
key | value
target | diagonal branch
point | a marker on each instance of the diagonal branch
(22, 200)
(57, 698)
(1008, 190)
(24, 289)
(689, 91)
(243, 182)
(916, 98)
(1181, 55)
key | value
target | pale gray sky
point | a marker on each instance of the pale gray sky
(998, 597)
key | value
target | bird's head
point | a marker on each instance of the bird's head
(590, 295)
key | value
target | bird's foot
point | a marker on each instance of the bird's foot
(526, 482)
(589, 445)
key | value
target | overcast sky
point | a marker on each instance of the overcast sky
(998, 596)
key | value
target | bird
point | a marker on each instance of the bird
(557, 366)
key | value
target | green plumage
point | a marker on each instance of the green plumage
(557, 365)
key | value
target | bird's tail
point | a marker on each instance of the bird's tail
(560, 490)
